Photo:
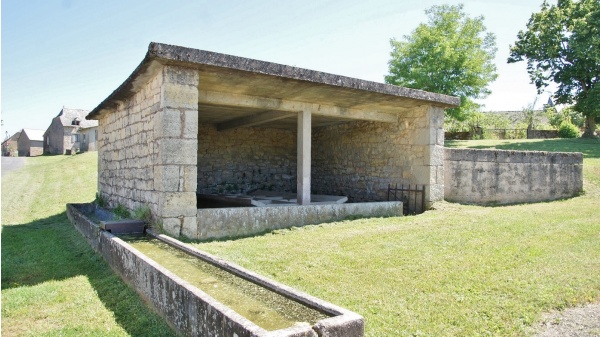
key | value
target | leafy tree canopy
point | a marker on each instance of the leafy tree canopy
(562, 45)
(451, 54)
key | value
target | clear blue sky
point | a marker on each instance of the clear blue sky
(74, 53)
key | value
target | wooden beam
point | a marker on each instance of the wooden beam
(275, 104)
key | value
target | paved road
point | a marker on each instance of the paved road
(12, 163)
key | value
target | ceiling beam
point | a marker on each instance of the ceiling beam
(261, 118)
(282, 106)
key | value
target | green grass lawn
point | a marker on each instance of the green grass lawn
(52, 282)
(455, 271)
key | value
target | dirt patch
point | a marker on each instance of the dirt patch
(574, 322)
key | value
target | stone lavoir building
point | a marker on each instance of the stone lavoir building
(188, 125)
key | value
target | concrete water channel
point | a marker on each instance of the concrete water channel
(202, 295)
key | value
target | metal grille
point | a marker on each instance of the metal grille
(412, 197)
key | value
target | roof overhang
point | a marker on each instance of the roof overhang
(236, 91)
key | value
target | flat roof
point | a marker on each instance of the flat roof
(222, 73)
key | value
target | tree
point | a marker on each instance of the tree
(562, 45)
(568, 114)
(452, 54)
(532, 117)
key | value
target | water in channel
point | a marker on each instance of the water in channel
(265, 308)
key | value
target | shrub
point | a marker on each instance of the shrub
(143, 213)
(568, 130)
(121, 212)
(100, 201)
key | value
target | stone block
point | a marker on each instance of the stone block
(168, 178)
(180, 75)
(436, 193)
(436, 117)
(424, 174)
(172, 226)
(422, 136)
(190, 227)
(168, 124)
(179, 96)
(434, 155)
(190, 178)
(177, 204)
(190, 129)
(440, 138)
(177, 151)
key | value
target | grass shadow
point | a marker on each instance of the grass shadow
(52, 249)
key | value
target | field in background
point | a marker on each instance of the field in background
(457, 270)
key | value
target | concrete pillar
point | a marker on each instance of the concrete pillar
(304, 160)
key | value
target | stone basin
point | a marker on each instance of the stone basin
(191, 311)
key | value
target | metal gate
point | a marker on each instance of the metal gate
(413, 198)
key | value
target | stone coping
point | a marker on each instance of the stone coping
(512, 156)
(195, 58)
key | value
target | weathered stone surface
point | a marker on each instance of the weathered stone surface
(189, 310)
(168, 178)
(190, 127)
(240, 160)
(179, 96)
(504, 177)
(360, 159)
(148, 153)
(181, 76)
(127, 150)
(236, 222)
(177, 204)
(177, 151)
(168, 123)
(172, 226)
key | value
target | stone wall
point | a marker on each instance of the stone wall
(89, 141)
(359, 159)
(542, 134)
(218, 223)
(245, 159)
(505, 177)
(29, 148)
(54, 138)
(69, 146)
(128, 150)
(147, 149)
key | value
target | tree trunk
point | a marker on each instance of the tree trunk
(590, 127)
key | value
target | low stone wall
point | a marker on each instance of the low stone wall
(189, 310)
(542, 134)
(505, 177)
(215, 223)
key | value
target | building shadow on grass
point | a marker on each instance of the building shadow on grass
(52, 249)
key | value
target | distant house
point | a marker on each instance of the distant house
(70, 132)
(9, 146)
(89, 136)
(30, 143)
